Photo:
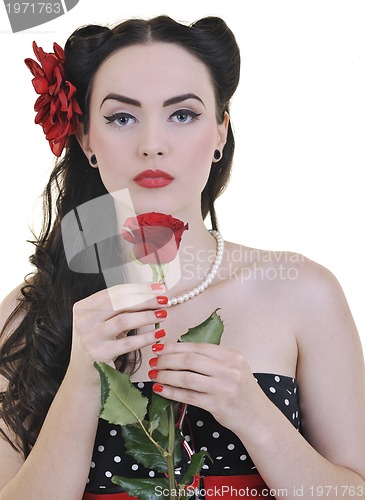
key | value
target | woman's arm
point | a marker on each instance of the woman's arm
(331, 379)
(58, 465)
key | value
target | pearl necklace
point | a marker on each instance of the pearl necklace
(209, 278)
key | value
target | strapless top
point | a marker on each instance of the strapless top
(202, 432)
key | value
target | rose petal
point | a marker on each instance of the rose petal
(156, 237)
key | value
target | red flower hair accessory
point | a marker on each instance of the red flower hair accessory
(57, 109)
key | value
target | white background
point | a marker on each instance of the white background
(298, 116)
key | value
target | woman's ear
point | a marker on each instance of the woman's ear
(84, 142)
(223, 131)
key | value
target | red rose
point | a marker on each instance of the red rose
(57, 109)
(155, 237)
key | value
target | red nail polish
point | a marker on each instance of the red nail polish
(160, 333)
(161, 299)
(153, 362)
(157, 347)
(157, 286)
(157, 387)
(162, 313)
(153, 373)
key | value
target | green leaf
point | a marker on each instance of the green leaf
(210, 331)
(197, 462)
(122, 403)
(144, 489)
(157, 413)
(142, 449)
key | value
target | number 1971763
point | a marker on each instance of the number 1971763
(33, 8)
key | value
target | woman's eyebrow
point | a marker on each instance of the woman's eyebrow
(138, 104)
(181, 98)
(123, 99)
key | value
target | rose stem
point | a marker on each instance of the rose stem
(171, 423)
(170, 449)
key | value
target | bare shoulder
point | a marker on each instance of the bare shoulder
(7, 306)
(306, 296)
(7, 326)
(293, 276)
(10, 459)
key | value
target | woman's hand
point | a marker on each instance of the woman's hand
(208, 376)
(102, 321)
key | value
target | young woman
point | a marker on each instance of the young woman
(147, 126)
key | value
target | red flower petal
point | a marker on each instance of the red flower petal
(48, 64)
(41, 116)
(57, 109)
(42, 101)
(34, 67)
(63, 100)
(40, 85)
(47, 126)
(59, 80)
(57, 147)
(54, 109)
(60, 53)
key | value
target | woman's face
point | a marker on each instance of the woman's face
(153, 126)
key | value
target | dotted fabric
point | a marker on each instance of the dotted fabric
(201, 431)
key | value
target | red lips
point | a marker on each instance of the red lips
(153, 179)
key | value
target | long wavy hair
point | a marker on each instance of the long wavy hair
(35, 357)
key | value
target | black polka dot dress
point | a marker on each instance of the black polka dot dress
(201, 431)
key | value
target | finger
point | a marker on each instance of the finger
(124, 322)
(191, 397)
(183, 379)
(113, 295)
(139, 302)
(193, 362)
(135, 295)
(102, 309)
(124, 345)
(213, 351)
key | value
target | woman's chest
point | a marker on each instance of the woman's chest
(252, 325)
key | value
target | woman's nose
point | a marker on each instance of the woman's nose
(152, 142)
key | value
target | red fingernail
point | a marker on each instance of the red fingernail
(160, 333)
(157, 286)
(162, 313)
(157, 387)
(153, 362)
(161, 299)
(153, 373)
(157, 347)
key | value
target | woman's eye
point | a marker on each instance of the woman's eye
(184, 116)
(121, 119)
